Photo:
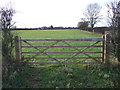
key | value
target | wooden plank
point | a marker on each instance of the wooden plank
(81, 39)
(61, 57)
(62, 63)
(59, 46)
(68, 52)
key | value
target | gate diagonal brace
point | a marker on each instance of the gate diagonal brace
(43, 51)
(80, 51)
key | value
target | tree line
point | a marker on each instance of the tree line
(44, 28)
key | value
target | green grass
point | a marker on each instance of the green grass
(64, 76)
(69, 76)
(56, 34)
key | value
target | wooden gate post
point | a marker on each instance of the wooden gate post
(18, 48)
(103, 48)
(107, 47)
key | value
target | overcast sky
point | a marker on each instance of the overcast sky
(38, 13)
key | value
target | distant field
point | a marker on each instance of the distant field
(58, 34)
(55, 34)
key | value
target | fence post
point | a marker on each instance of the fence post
(18, 48)
(103, 48)
(107, 47)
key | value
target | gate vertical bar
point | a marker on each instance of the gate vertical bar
(18, 48)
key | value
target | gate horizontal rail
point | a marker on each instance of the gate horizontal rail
(81, 39)
(63, 58)
(62, 63)
(60, 46)
(67, 52)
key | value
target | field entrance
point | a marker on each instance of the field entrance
(61, 51)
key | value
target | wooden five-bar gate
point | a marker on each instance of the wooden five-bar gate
(103, 58)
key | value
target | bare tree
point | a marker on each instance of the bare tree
(112, 14)
(92, 14)
(6, 17)
(114, 22)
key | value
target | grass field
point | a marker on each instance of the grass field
(58, 34)
(64, 76)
